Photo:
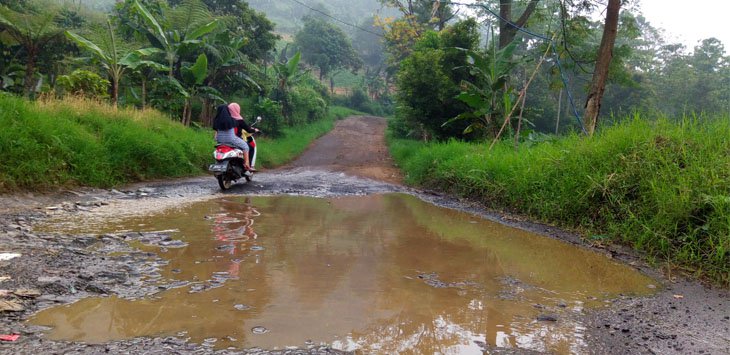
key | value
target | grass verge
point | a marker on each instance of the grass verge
(48, 144)
(659, 186)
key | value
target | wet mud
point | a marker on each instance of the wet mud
(78, 246)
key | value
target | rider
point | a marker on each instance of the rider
(243, 130)
(224, 125)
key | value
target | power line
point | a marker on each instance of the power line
(338, 20)
(545, 38)
(486, 8)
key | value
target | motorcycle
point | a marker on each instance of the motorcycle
(229, 162)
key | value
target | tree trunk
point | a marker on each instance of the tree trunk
(205, 113)
(507, 29)
(600, 74)
(184, 113)
(144, 92)
(115, 90)
(29, 71)
(560, 102)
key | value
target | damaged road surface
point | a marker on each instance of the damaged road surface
(328, 255)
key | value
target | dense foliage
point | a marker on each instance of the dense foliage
(646, 73)
(326, 47)
(182, 57)
(428, 101)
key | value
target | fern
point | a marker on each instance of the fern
(188, 16)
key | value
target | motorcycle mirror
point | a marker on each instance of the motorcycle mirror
(258, 118)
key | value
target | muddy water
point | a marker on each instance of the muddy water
(385, 273)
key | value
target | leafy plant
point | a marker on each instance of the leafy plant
(287, 74)
(193, 21)
(270, 111)
(115, 60)
(84, 83)
(489, 96)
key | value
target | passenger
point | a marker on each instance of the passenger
(224, 125)
(243, 130)
(241, 125)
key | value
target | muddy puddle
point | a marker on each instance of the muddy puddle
(381, 273)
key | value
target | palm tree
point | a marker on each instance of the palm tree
(33, 31)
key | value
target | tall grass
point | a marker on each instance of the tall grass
(662, 187)
(47, 144)
(53, 143)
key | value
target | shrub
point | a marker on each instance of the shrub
(84, 83)
(359, 99)
(270, 111)
(309, 106)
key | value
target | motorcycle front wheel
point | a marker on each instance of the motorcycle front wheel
(224, 182)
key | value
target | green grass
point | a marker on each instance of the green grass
(49, 144)
(80, 142)
(347, 79)
(661, 187)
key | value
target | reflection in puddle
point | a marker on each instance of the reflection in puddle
(385, 273)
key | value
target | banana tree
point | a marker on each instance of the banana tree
(227, 69)
(287, 74)
(144, 70)
(489, 95)
(115, 60)
(192, 86)
(173, 38)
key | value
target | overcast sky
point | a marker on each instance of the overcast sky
(684, 21)
(690, 21)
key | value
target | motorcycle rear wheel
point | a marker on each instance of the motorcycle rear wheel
(224, 182)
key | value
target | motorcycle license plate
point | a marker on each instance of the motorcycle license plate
(218, 167)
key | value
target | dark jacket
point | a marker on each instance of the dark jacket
(241, 126)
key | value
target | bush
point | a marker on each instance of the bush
(84, 83)
(309, 106)
(270, 111)
(359, 99)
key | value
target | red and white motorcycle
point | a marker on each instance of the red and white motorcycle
(229, 162)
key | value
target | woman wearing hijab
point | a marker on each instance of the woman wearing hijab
(241, 125)
(224, 125)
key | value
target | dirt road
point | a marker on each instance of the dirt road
(356, 147)
(56, 268)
